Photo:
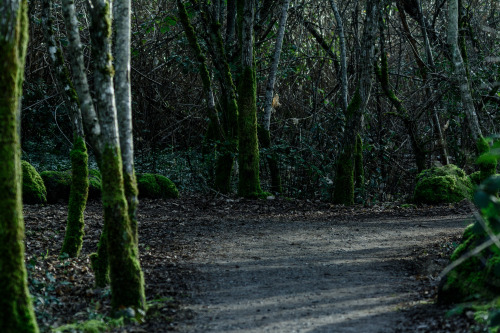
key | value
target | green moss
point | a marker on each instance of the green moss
(155, 186)
(442, 185)
(89, 326)
(126, 278)
(34, 191)
(73, 239)
(58, 185)
(131, 193)
(475, 177)
(16, 313)
(248, 147)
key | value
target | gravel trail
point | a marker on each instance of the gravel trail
(310, 273)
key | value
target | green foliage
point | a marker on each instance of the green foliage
(34, 191)
(442, 185)
(156, 186)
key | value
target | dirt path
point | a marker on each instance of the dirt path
(309, 272)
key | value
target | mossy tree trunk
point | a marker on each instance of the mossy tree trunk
(248, 147)
(228, 146)
(78, 194)
(16, 315)
(123, 98)
(118, 240)
(344, 182)
(224, 136)
(126, 278)
(79, 158)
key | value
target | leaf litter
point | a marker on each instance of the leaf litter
(173, 236)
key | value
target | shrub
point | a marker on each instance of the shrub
(444, 184)
(156, 186)
(34, 190)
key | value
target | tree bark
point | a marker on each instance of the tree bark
(248, 147)
(127, 281)
(118, 242)
(123, 99)
(343, 57)
(268, 101)
(73, 238)
(16, 315)
(344, 184)
(459, 72)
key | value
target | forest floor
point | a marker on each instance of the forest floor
(234, 265)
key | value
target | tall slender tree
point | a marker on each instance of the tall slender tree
(73, 238)
(248, 146)
(118, 245)
(344, 183)
(16, 315)
(265, 137)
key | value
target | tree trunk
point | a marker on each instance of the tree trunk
(225, 134)
(118, 240)
(343, 57)
(268, 102)
(248, 147)
(344, 184)
(16, 315)
(123, 98)
(73, 238)
(127, 282)
(459, 72)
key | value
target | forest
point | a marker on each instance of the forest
(249, 166)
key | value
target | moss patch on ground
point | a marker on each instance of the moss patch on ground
(156, 186)
(58, 185)
(34, 191)
(444, 184)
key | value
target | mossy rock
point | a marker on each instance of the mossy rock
(58, 184)
(477, 277)
(156, 186)
(475, 178)
(444, 184)
(95, 184)
(34, 191)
